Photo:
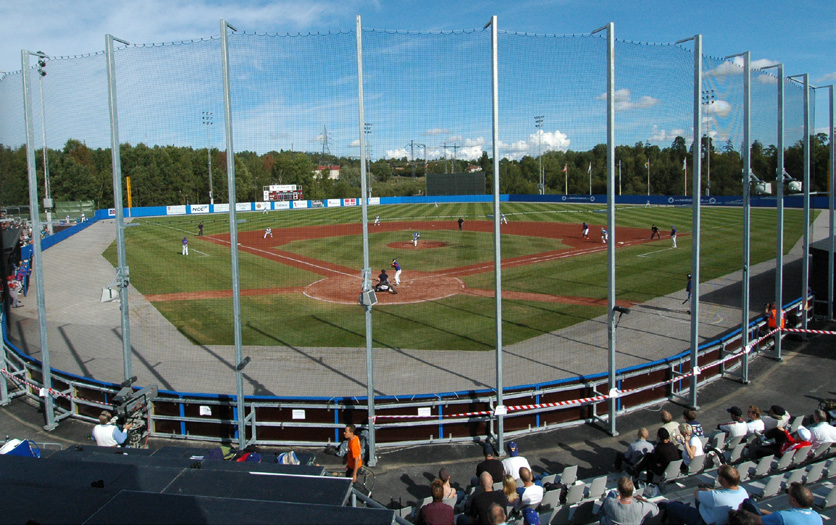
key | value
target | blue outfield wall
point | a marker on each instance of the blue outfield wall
(791, 201)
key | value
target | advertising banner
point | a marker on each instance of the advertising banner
(243, 206)
(350, 202)
(175, 210)
(300, 204)
(199, 208)
(281, 205)
(224, 208)
(334, 203)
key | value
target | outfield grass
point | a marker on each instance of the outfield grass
(459, 322)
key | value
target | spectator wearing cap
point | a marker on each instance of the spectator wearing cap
(491, 465)
(777, 417)
(622, 507)
(755, 423)
(437, 512)
(657, 461)
(530, 517)
(514, 462)
(736, 427)
(107, 433)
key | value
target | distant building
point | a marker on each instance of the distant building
(333, 172)
(473, 168)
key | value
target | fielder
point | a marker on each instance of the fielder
(585, 230)
(397, 268)
(268, 231)
(415, 237)
(604, 236)
(185, 243)
(673, 235)
(377, 220)
(503, 219)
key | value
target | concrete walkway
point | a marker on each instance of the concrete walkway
(85, 337)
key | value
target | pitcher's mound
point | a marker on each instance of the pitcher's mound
(416, 287)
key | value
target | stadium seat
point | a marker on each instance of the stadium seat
(551, 501)
(824, 496)
(765, 488)
(569, 475)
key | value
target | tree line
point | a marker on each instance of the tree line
(167, 175)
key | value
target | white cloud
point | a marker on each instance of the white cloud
(766, 79)
(623, 100)
(735, 66)
(354, 143)
(470, 152)
(719, 108)
(541, 141)
(830, 77)
(436, 131)
(397, 153)
(661, 135)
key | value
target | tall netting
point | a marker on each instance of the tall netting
(296, 134)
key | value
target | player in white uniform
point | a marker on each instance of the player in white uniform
(604, 236)
(185, 243)
(503, 219)
(377, 220)
(415, 237)
(268, 231)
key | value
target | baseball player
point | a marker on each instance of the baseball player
(397, 268)
(185, 243)
(503, 219)
(673, 235)
(604, 236)
(654, 232)
(415, 237)
(585, 230)
(688, 291)
(268, 231)
(377, 220)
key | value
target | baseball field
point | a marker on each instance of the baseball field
(300, 287)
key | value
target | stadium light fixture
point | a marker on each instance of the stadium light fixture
(793, 185)
(538, 123)
(47, 193)
(759, 187)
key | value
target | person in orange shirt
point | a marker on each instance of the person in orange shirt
(772, 314)
(353, 459)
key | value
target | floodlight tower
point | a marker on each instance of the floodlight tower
(47, 192)
(538, 123)
(207, 118)
(708, 98)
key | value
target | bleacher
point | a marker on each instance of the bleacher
(765, 479)
(89, 484)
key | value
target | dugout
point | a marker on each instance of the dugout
(456, 183)
(818, 274)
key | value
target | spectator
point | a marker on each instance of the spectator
(514, 461)
(530, 494)
(625, 509)
(736, 427)
(777, 417)
(691, 445)
(444, 476)
(755, 423)
(482, 502)
(635, 451)
(107, 433)
(800, 512)
(496, 514)
(437, 512)
(491, 465)
(657, 461)
(821, 430)
(713, 506)
(509, 487)
(670, 425)
(690, 417)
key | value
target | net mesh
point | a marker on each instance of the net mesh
(427, 105)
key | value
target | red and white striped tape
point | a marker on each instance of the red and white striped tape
(802, 331)
(42, 392)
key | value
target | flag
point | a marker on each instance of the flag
(647, 164)
(590, 168)
(565, 167)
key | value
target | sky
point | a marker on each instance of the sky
(800, 34)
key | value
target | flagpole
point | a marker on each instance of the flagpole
(685, 171)
(619, 177)
(590, 178)
(647, 165)
(566, 179)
